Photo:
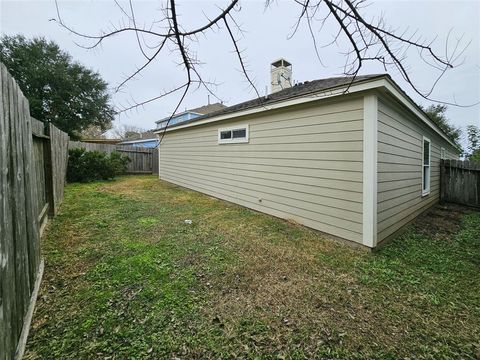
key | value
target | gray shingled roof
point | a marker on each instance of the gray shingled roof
(298, 90)
(207, 109)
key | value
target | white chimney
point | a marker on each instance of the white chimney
(281, 72)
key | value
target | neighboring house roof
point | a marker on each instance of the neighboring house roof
(149, 134)
(202, 110)
(102, 141)
(297, 90)
(178, 115)
(137, 141)
(315, 90)
(146, 135)
(207, 109)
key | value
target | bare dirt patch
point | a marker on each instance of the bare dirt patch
(441, 221)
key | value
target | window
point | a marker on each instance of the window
(443, 153)
(426, 167)
(234, 134)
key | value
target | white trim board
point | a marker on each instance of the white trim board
(370, 144)
(383, 83)
(330, 93)
(232, 140)
(426, 192)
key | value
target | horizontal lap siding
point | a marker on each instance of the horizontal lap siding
(303, 164)
(400, 168)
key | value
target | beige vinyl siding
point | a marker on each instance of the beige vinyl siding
(302, 163)
(400, 138)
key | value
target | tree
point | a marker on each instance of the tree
(93, 132)
(473, 138)
(126, 132)
(368, 40)
(436, 113)
(59, 90)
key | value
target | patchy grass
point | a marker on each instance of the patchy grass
(126, 277)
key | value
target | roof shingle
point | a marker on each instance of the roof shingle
(297, 90)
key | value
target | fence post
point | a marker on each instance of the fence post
(47, 151)
(442, 180)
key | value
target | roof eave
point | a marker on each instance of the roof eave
(304, 98)
(401, 95)
(382, 81)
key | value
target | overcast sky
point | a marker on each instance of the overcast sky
(265, 39)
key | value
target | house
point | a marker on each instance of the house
(147, 139)
(188, 115)
(102, 141)
(354, 158)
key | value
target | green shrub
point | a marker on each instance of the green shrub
(85, 166)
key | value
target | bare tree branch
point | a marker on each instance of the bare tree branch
(368, 40)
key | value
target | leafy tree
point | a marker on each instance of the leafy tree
(436, 113)
(59, 89)
(473, 137)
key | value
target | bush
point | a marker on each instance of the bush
(85, 166)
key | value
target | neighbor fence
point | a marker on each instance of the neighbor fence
(460, 182)
(33, 161)
(143, 160)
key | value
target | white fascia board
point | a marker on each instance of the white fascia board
(284, 103)
(370, 157)
(384, 82)
(398, 93)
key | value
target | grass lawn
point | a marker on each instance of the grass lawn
(126, 277)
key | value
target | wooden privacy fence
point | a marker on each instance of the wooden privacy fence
(143, 160)
(33, 160)
(460, 182)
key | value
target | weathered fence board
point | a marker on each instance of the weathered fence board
(39, 143)
(108, 148)
(7, 286)
(58, 148)
(22, 202)
(17, 254)
(143, 160)
(460, 182)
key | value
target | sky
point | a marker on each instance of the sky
(265, 38)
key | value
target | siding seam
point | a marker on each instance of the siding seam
(283, 211)
(287, 189)
(175, 174)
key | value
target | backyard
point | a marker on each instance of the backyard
(127, 277)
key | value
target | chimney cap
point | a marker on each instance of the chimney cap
(281, 62)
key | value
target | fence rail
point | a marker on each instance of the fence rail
(460, 182)
(143, 160)
(32, 176)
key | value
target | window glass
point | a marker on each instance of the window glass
(226, 135)
(426, 152)
(426, 167)
(239, 133)
(426, 172)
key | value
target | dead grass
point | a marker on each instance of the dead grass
(127, 278)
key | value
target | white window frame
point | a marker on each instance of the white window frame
(234, 141)
(443, 153)
(426, 190)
